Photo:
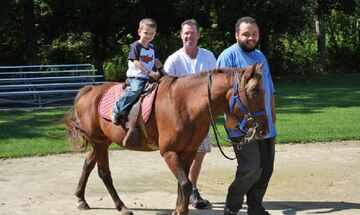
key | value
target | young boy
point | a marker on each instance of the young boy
(141, 61)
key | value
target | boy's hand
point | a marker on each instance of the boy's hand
(155, 75)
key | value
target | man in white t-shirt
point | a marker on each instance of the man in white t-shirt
(191, 59)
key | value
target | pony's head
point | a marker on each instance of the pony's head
(246, 118)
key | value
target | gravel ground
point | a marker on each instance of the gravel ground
(308, 178)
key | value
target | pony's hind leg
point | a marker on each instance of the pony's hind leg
(80, 191)
(102, 159)
(180, 169)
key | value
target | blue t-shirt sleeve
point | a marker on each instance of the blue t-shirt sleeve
(268, 77)
(134, 53)
(271, 85)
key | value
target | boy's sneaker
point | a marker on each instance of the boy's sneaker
(117, 119)
(197, 201)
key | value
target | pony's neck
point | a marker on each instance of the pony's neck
(220, 92)
(197, 98)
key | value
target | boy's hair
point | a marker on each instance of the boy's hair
(147, 23)
(246, 19)
(190, 22)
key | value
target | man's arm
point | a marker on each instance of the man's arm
(169, 66)
(158, 63)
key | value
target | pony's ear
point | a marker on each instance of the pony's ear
(252, 71)
(261, 66)
(248, 73)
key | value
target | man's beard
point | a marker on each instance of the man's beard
(246, 49)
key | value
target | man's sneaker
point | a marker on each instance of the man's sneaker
(227, 211)
(197, 201)
(258, 213)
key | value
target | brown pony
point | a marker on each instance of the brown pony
(178, 123)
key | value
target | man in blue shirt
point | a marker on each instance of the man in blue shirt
(255, 159)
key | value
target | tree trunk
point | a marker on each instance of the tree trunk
(320, 35)
(29, 28)
(98, 51)
(334, 48)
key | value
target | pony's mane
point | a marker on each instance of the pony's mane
(254, 82)
(226, 71)
(200, 75)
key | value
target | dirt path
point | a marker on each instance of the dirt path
(308, 179)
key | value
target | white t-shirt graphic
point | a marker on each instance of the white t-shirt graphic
(146, 56)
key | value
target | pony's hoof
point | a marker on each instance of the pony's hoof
(179, 213)
(125, 211)
(83, 206)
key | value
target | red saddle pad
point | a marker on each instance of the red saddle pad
(113, 94)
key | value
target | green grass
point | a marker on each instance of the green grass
(323, 108)
(32, 132)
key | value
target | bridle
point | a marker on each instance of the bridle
(241, 131)
(248, 116)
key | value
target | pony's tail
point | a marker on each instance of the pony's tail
(78, 137)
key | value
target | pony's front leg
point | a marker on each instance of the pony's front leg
(180, 169)
(102, 159)
(80, 191)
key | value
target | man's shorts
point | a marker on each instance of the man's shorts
(205, 145)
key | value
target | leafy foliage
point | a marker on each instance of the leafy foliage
(99, 32)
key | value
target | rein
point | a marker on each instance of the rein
(213, 124)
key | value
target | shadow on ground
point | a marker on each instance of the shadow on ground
(277, 207)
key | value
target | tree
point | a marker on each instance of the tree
(322, 9)
(11, 33)
(275, 17)
(29, 32)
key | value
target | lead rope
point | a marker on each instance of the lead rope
(213, 124)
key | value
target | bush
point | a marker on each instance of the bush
(71, 48)
(115, 69)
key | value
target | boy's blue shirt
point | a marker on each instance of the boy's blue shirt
(235, 57)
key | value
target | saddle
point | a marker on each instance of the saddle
(138, 115)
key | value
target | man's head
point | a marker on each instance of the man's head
(247, 33)
(147, 30)
(189, 33)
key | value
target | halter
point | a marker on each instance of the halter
(248, 116)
